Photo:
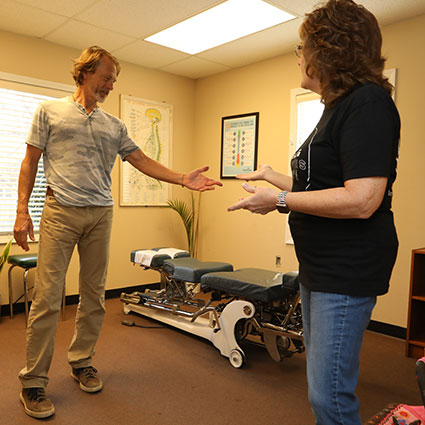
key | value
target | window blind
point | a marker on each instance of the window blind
(16, 112)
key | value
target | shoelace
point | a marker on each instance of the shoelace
(37, 394)
(89, 372)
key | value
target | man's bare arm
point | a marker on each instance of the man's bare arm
(23, 224)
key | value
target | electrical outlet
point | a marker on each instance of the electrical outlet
(278, 261)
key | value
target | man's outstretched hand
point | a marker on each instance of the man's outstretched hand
(195, 180)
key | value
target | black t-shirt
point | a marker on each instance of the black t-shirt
(358, 137)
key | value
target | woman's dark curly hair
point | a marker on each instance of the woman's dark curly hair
(88, 62)
(342, 47)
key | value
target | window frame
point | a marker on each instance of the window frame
(31, 85)
(297, 96)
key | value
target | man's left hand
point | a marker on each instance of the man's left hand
(195, 180)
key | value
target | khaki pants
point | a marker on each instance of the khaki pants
(61, 229)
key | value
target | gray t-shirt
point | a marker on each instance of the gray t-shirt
(79, 150)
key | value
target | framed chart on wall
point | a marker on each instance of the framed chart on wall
(150, 125)
(239, 140)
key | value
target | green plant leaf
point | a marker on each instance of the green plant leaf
(190, 218)
(5, 254)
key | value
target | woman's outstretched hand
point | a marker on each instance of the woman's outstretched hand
(259, 174)
(262, 201)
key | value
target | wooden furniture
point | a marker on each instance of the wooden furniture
(415, 338)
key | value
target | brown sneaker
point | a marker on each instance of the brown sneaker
(35, 402)
(88, 379)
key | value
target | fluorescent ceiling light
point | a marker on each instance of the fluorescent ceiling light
(226, 22)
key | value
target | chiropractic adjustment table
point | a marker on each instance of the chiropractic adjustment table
(211, 300)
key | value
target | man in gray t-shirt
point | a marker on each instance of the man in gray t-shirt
(79, 142)
(79, 151)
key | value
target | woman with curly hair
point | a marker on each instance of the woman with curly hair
(339, 199)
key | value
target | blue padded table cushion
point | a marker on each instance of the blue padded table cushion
(191, 270)
(158, 260)
(26, 261)
(256, 284)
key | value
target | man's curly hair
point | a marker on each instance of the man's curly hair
(342, 47)
(88, 62)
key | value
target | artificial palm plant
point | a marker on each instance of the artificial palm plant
(190, 217)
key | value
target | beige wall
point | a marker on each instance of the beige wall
(405, 51)
(248, 240)
(244, 239)
(133, 227)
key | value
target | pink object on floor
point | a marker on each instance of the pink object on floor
(405, 415)
(417, 411)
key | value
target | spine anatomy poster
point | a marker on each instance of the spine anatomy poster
(149, 124)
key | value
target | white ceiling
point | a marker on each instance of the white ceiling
(121, 25)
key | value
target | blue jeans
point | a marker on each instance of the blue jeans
(334, 325)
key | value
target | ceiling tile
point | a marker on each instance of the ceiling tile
(386, 12)
(392, 11)
(80, 35)
(120, 25)
(265, 44)
(63, 7)
(299, 8)
(148, 54)
(22, 19)
(195, 67)
(137, 18)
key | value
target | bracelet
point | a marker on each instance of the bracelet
(182, 180)
(281, 202)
